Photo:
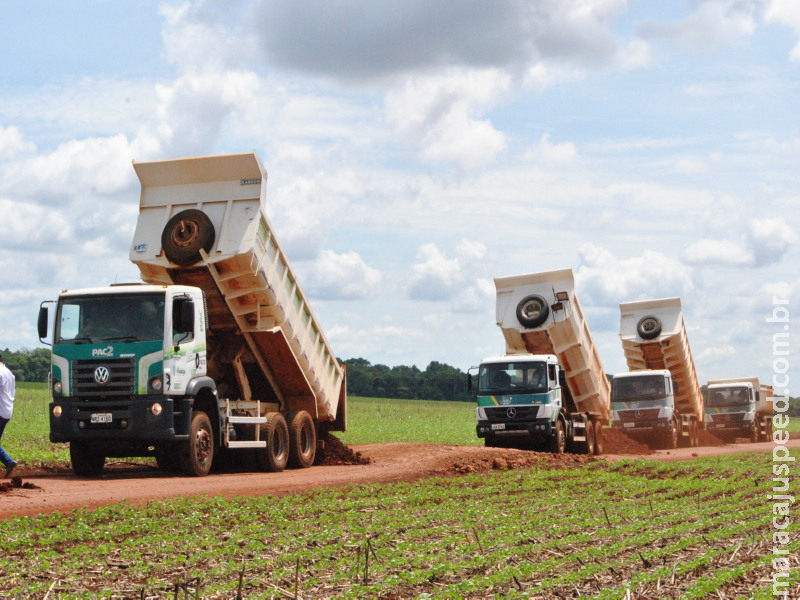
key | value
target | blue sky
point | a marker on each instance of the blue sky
(416, 150)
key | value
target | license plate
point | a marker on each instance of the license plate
(629, 425)
(101, 418)
(496, 426)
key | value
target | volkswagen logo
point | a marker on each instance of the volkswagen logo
(102, 375)
(511, 412)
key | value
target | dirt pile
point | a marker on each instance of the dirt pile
(335, 452)
(16, 483)
(616, 442)
(509, 460)
(706, 438)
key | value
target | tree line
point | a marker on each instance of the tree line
(437, 382)
(28, 365)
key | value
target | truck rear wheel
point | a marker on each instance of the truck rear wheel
(532, 311)
(648, 327)
(558, 442)
(274, 456)
(302, 440)
(197, 453)
(598, 439)
(185, 234)
(587, 447)
(85, 461)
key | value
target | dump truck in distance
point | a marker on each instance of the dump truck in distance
(658, 401)
(217, 352)
(739, 408)
(548, 389)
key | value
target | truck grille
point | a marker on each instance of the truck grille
(642, 414)
(87, 381)
(512, 413)
(728, 418)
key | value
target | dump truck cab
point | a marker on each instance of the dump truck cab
(739, 408)
(643, 403)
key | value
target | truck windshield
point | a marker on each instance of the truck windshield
(732, 396)
(513, 377)
(110, 318)
(645, 387)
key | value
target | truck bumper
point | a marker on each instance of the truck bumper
(117, 421)
(742, 429)
(643, 431)
(536, 428)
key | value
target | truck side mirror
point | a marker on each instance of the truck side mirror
(42, 322)
(674, 387)
(562, 378)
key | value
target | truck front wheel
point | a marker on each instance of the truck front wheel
(302, 440)
(558, 442)
(198, 451)
(671, 437)
(598, 439)
(85, 461)
(274, 456)
(587, 447)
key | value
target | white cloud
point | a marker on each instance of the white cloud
(457, 280)
(605, 280)
(786, 12)
(715, 23)
(438, 115)
(716, 354)
(342, 277)
(549, 153)
(759, 243)
(13, 143)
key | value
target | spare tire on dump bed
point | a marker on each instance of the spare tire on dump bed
(185, 234)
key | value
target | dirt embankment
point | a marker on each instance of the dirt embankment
(42, 490)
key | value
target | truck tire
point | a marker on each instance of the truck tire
(185, 234)
(532, 311)
(671, 437)
(558, 442)
(598, 439)
(85, 461)
(587, 447)
(648, 327)
(302, 440)
(197, 453)
(755, 434)
(274, 456)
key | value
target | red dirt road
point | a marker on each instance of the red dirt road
(390, 462)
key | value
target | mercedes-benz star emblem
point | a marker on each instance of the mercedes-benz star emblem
(638, 414)
(102, 375)
(511, 412)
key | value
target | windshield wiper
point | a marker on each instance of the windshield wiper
(120, 338)
(79, 340)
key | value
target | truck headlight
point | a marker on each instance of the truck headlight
(57, 388)
(57, 411)
(156, 384)
(156, 409)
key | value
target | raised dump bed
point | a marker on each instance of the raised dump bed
(540, 314)
(653, 335)
(202, 222)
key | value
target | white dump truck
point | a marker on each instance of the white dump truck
(739, 408)
(217, 352)
(659, 401)
(549, 389)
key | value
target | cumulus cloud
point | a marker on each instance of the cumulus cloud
(550, 153)
(604, 279)
(759, 243)
(341, 277)
(12, 143)
(715, 23)
(440, 115)
(439, 278)
(786, 12)
(322, 38)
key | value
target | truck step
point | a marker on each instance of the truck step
(250, 444)
(247, 420)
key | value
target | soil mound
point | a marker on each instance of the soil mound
(509, 460)
(336, 452)
(706, 438)
(16, 483)
(616, 442)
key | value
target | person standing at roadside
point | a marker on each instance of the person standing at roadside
(7, 390)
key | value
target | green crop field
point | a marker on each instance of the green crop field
(633, 529)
